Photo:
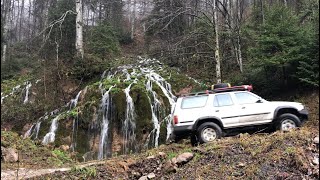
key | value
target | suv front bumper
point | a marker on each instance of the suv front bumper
(304, 114)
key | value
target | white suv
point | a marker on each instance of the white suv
(207, 115)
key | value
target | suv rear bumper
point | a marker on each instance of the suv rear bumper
(181, 131)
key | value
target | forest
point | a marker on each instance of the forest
(103, 75)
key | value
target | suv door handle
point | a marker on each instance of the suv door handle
(217, 110)
(243, 107)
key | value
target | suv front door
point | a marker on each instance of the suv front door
(252, 109)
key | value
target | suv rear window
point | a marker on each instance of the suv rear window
(194, 102)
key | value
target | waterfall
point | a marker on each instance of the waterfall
(129, 122)
(73, 104)
(166, 89)
(50, 136)
(28, 133)
(37, 129)
(105, 105)
(74, 101)
(155, 107)
(27, 92)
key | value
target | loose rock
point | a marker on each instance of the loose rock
(9, 154)
(143, 178)
(315, 161)
(64, 147)
(151, 157)
(184, 158)
(169, 167)
(162, 154)
(151, 176)
(316, 140)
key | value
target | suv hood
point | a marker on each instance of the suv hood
(296, 105)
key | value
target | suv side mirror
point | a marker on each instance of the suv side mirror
(259, 101)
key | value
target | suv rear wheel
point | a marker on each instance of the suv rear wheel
(288, 121)
(208, 132)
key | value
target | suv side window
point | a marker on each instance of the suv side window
(194, 102)
(246, 98)
(222, 100)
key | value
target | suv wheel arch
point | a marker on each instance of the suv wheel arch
(202, 120)
(284, 109)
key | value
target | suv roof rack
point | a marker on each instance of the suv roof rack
(220, 90)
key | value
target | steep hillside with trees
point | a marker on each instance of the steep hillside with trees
(101, 76)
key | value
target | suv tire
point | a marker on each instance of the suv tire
(208, 132)
(288, 121)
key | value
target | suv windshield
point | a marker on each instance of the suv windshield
(194, 102)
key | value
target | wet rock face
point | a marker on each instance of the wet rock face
(127, 111)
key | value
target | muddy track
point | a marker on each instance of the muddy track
(23, 173)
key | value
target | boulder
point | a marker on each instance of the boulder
(9, 154)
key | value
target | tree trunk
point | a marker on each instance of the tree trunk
(133, 18)
(79, 29)
(6, 16)
(21, 19)
(216, 54)
(238, 34)
(285, 3)
(262, 11)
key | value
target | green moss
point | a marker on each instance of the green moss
(54, 161)
(144, 122)
(8, 84)
(119, 102)
(163, 133)
(85, 172)
(61, 155)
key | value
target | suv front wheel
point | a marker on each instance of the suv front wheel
(287, 122)
(208, 132)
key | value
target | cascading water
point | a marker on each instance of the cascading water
(74, 101)
(26, 98)
(50, 136)
(37, 128)
(28, 133)
(155, 108)
(129, 125)
(117, 112)
(105, 105)
(166, 89)
(73, 104)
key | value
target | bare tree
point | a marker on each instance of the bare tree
(217, 51)
(79, 28)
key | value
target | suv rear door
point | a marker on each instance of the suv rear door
(224, 107)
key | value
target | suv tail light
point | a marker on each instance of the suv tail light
(175, 120)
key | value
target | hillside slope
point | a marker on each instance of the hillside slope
(279, 155)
